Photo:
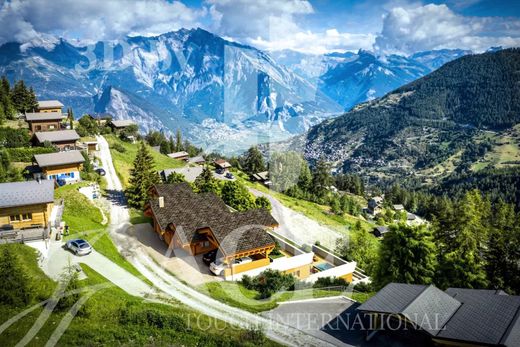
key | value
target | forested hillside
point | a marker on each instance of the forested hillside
(456, 117)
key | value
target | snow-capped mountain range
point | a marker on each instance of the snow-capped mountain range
(223, 95)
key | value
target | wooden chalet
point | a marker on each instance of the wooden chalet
(63, 166)
(199, 223)
(182, 155)
(45, 121)
(119, 125)
(26, 205)
(64, 140)
(50, 106)
(222, 164)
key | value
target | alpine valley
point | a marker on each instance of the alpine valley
(223, 95)
(458, 125)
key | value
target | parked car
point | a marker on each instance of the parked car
(210, 257)
(101, 171)
(218, 266)
(230, 176)
(79, 247)
(220, 171)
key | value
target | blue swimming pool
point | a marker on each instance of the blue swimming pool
(323, 266)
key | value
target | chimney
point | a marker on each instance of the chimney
(161, 201)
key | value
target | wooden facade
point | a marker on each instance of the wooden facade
(71, 171)
(206, 242)
(44, 125)
(29, 216)
(49, 109)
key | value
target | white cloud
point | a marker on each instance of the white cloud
(409, 30)
(94, 19)
(273, 25)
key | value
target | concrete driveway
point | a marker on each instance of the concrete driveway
(186, 267)
(55, 259)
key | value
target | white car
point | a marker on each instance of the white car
(79, 247)
(218, 266)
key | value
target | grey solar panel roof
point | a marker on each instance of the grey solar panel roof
(31, 117)
(480, 317)
(60, 158)
(484, 317)
(57, 136)
(26, 193)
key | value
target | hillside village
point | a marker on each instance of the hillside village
(82, 192)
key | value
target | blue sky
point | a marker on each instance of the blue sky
(314, 26)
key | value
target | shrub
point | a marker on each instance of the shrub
(26, 154)
(364, 287)
(254, 336)
(325, 282)
(119, 147)
(11, 138)
(269, 282)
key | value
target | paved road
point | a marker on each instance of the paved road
(298, 227)
(125, 239)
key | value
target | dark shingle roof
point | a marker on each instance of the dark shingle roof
(486, 316)
(57, 136)
(190, 212)
(41, 116)
(60, 158)
(26, 193)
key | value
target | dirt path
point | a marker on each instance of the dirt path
(298, 227)
(123, 235)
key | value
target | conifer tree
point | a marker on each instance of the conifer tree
(142, 177)
(70, 117)
(178, 141)
(254, 161)
(321, 179)
(206, 182)
(15, 286)
(407, 255)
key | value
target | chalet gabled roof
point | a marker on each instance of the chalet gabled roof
(26, 193)
(189, 212)
(49, 104)
(59, 158)
(122, 123)
(42, 116)
(57, 136)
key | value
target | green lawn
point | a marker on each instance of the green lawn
(138, 217)
(235, 294)
(84, 220)
(111, 317)
(312, 210)
(123, 162)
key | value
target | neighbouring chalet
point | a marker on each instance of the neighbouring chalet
(120, 125)
(62, 166)
(455, 317)
(64, 140)
(198, 160)
(50, 106)
(398, 208)
(182, 155)
(375, 204)
(45, 121)
(222, 164)
(380, 231)
(261, 177)
(26, 205)
(199, 223)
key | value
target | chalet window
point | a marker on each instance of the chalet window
(38, 127)
(205, 244)
(297, 273)
(14, 218)
(27, 216)
(51, 127)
